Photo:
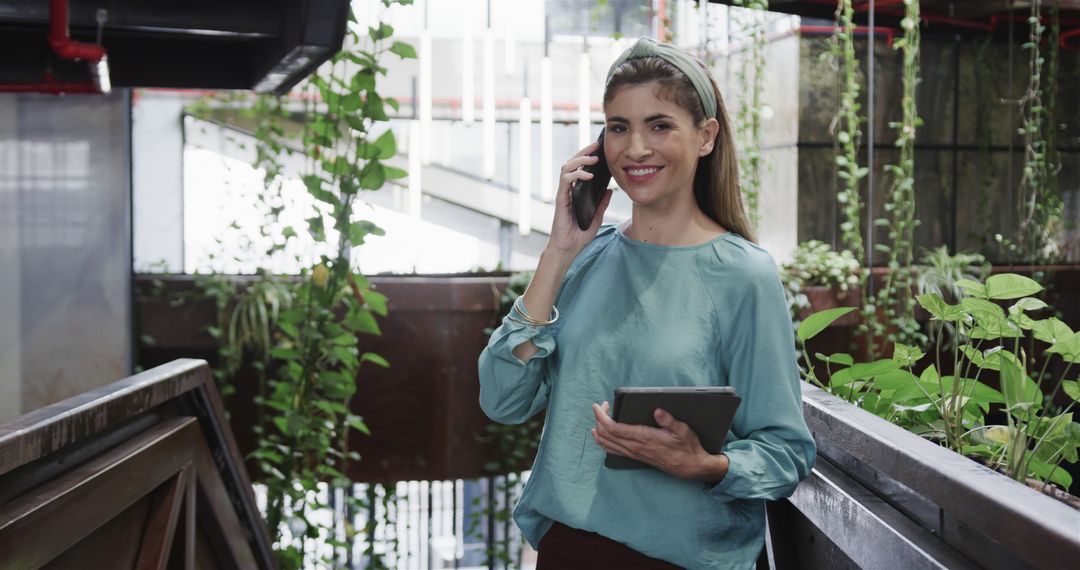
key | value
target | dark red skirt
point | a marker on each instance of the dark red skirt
(565, 548)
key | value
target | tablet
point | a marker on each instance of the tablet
(708, 411)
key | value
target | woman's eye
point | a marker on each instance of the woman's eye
(616, 129)
(661, 127)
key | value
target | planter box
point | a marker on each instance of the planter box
(822, 298)
(423, 411)
(882, 497)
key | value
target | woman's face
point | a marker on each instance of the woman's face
(652, 145)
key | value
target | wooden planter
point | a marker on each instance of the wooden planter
(882, 497)
(822, 298)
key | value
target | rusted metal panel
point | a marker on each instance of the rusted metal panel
(423, 411)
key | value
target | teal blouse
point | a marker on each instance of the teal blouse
(640, 314)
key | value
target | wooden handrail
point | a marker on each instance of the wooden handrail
(140, 473)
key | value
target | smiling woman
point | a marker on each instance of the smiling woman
(679, 295)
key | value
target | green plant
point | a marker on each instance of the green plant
(953, 409)
(895, 300)
(1039, 202)
(303, 333)
(815, 264)
(940, 271)
(849, 130)
(751, 80)
(307, 440)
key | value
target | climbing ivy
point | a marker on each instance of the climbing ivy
(849, 131)
(895, 301)
(750, 78)
(1040, 204)
(303, 333)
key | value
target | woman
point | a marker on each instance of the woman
(679, 295)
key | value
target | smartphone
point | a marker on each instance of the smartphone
(586, 194)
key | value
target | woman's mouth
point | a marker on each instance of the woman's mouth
(641, 173)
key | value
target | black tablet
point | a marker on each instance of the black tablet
(708, 411)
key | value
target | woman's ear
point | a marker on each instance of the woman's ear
(708, 136)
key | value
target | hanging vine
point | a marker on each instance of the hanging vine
(302, 334)
(848, 129)
(751, 81)
(1040, 204)
(896, 299)
(849, 132)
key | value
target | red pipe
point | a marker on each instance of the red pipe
(60, 39)
(61, 43)
(889, 32)
(1063, 39)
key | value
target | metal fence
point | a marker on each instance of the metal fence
(421, 525)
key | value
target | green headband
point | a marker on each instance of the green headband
(682, 61)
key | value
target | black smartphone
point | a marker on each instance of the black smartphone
(586, 194)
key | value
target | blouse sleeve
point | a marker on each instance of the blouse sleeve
(770, 448)
(512, 391)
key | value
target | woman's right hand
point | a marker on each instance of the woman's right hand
(566, 236)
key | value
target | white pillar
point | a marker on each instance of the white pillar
(468, 97)
(416, 168)
(425, 95)
(584, 127)
(546, 183)
(525, 167)
(489, 105)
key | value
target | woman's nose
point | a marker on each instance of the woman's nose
(638, 149)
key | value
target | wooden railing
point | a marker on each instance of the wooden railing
(140, 473)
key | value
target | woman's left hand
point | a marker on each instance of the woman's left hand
(673, 447)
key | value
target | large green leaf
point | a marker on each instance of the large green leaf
(393, 172)
(1020, 391)
(907, 355)
(1053, 473)
(386, 145)
(928, 382)
(1072, 388)
(1010, 286)
(375, 359)
(985, 312)
(978, 391)
(382, 32)
(937, 307)
(377, 301)
(1027, 304)
(358, 231)
(817, 322)
(972, 288)
(894, 380)
(372, 176)
(871, 369)
(1051, 330)
(403, 50)
(362, 321)
(1068, 348)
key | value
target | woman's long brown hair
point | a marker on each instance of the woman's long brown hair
(716, 180)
